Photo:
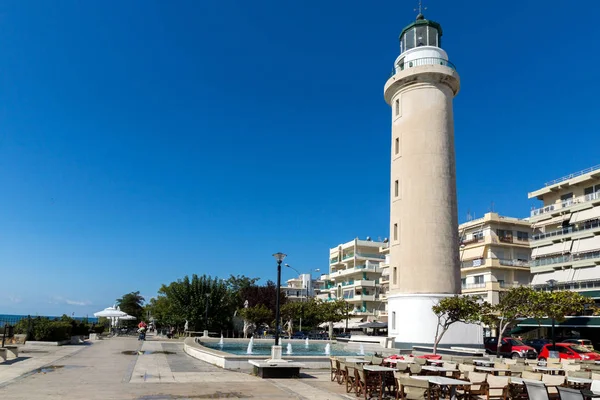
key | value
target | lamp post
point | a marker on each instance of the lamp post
(206, 312)
(279, 257)
(551, 284)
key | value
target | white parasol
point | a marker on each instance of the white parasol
(110, 312)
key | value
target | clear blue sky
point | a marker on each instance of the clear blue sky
(143, 140)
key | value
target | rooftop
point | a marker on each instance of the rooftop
(567, 180)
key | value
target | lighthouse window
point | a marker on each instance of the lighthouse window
(433, 33)
(410, 39)
(421, 36)
(397, 106)
(396, 188)
(397, 146)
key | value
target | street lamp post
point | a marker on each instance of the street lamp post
(551, 285)
(279, 257)
(206, 311)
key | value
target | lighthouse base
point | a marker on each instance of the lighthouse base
(412, 323)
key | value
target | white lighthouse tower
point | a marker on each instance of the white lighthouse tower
(424, 261)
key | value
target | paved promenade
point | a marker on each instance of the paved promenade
(124, 368)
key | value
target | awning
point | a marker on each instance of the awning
(569, 322)
(353, 323)
(561, 275)
(555, 248)
(552, 221)
(585, 215)
(472, 253)
(586, 274)
(586, 245)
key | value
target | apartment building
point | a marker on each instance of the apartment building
(302, 288)
(354, 275)
(494, 255)
(566, 240)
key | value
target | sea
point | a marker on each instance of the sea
(8, 319)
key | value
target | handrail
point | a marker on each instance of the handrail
(418, 62)
(573, 175)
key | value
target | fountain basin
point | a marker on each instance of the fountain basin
(199, 348)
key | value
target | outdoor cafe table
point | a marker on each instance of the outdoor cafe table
(551, 371)
(381, 371)
(492, 370)
(443, 381)
(484, 363)
(438, 369)
(357, 360)
(519, 381)
(398, 360)
(435, 362)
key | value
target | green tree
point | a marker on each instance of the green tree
(196, 298)
(516, 303)
(451, 310)
(132, 304)
(330, 311)
(257, 315)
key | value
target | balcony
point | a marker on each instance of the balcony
(564, 258)
(370, 255)
(347, 256)
(474, 239)
(334, 260)
(566, 231)
(473, 285)
(479, 262)
(356, 270)
(565, 204)
(514, 263)
(418, 62)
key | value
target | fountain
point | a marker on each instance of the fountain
(306, 342)
(250, 344)
(328, 349)
(289, 349)
(362, 350)
(221, 341)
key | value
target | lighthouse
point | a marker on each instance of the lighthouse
(424, 261)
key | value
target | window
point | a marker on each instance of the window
(478, 279)
(478, 235)
(397, 146)
(396, 232)
(463, 282)
(397, 107)
(522, 235)
(393, 320)
(395, 276)
(566, 199)
(504, 235)
(396, 188)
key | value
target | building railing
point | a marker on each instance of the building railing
(418, 62)
(334, 260)
(368, 255)
(565, 204)
(473, 285)
(573, 175)
(514, 263)
(347, 256)
(564, 258)
(473, 263)
(566, 231)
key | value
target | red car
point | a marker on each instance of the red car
(569, 351)
(509, 347)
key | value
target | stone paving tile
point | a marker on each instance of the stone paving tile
(102, 371)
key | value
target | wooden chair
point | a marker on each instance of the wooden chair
(376, 360)
(341, 376)
(333, 368)
(552, 360)
(416, 389)
(453, 374)
(534, 376)
(552, 382)
(465, 369)
(397, 376)
(350, 378)
(402, 367)
(367, 383)
(595, 376)
(497, 387)
(510, 361)
(416, 369)
(580, 374)
(516, 370)
(571, 367)
(477, 388)
(420, 361)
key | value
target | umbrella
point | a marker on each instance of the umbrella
(374, 325)
(110, 312)
(128, 317)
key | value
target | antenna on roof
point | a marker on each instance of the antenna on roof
(420, 9)
(492, 206)
(469, 216)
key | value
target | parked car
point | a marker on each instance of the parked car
(582, 342)
(343, 335)
(569, 351)
(537, 344)
(510, 347)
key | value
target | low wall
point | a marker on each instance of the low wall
(240, 362)
(39, 343)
